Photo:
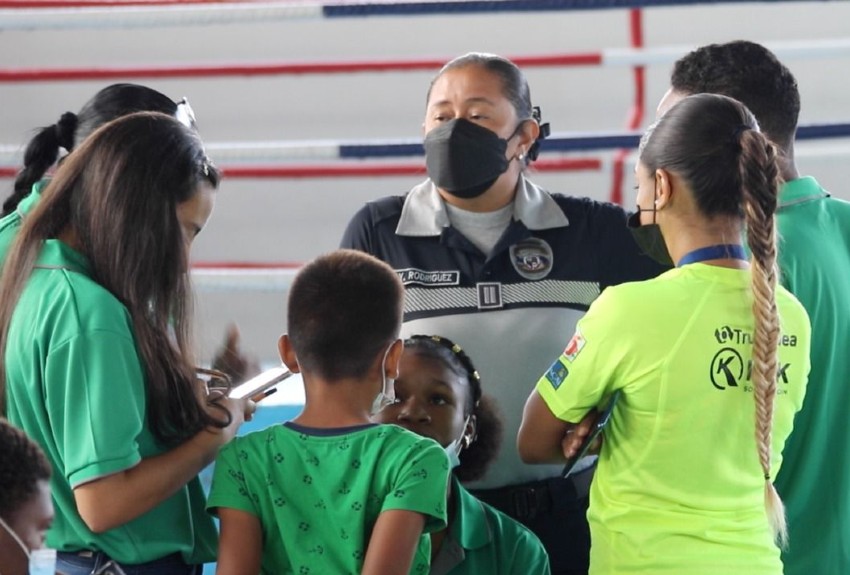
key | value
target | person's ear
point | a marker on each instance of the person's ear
(471, 432)
(394, 359)
(526, 136)
(287, 353)
(663, 188)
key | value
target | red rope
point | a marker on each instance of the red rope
(272, 69)
(104, 3)
(246, 265)
(344, 170)
(636, 111)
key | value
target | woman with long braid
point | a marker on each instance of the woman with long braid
(710, 361)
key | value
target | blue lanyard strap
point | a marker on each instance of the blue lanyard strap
(717, 252)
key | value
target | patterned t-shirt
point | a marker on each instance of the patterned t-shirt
(318, 493)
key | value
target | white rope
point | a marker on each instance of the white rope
(155, 16)
(791, 50)
(234, 279)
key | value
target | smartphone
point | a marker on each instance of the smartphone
(263, 382)
(604, 417)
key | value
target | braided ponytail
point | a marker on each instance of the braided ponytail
(41, 153)
(759, 176)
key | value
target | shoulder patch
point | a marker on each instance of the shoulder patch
(557, 374)
(575, 346)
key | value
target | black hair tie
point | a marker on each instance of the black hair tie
(534, 149)
(739, 129)
(65, 129)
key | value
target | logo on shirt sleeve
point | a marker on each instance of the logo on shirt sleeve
(575, 346)
(557, 374)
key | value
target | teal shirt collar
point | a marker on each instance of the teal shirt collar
(801, 190)
(26, 205)
(470, 527)
(468, 530)
(56, 254)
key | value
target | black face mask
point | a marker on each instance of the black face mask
(463, 158)
(649, 238)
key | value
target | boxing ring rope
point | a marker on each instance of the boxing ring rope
(28, 15)
(330, 159)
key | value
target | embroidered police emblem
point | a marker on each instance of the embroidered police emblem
(532, 258)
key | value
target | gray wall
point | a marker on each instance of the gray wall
(294, 220)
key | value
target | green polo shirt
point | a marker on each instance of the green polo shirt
(814, 259)
(482, 539)
(679, 488)
(10, 224)
(75, 384)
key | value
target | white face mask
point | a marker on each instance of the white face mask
(454, 448)
(41, 561)
(386, 396)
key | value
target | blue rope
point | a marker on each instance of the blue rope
(478, 6)
(581, 143)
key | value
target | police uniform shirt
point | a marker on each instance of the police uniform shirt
(512, 310)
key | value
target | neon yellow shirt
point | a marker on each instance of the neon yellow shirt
(679, 488)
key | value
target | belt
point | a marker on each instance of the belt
(102, 564)
(525, 501)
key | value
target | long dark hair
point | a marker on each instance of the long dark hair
(119, 194)
(714, 143)
(108, 104)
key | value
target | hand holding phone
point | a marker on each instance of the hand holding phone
(261, 383)
(595, 430)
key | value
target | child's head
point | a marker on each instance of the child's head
(438, 394)
(26, 509)
(344, 310)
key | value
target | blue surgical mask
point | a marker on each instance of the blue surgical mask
(387, 394)
(41, 561)
(454, 448)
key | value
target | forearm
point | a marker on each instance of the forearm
(392, 545)
(116, 499)
(540, 435)
(240, 545)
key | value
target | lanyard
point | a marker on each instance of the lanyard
(715, 252)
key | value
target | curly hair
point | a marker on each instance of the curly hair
(749, 73)
(476, 458)
(22, 465)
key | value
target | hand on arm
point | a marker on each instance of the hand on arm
(393, 542)
(240, 545)
(116, 499)
(577, 433)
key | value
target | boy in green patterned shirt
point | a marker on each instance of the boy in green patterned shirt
(330, 492)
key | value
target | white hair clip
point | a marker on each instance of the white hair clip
(185, 114)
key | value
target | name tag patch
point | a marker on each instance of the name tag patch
(410, 276)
